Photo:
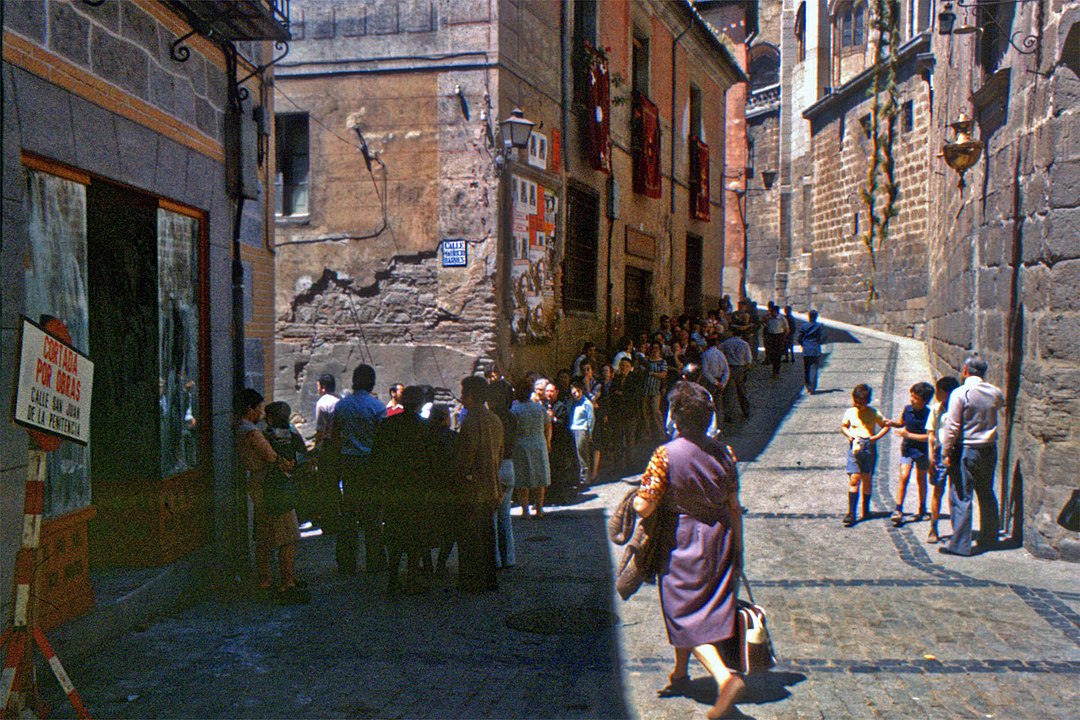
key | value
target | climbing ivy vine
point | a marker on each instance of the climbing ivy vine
(882, 191)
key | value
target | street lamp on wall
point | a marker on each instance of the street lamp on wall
(515, 132)
(1028, 44)
(946, 20)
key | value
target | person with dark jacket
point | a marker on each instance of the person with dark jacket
(500, 396)
(480, 452)
(563, 454)
(403, 466)
(811, 337)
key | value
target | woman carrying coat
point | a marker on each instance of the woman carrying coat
(693, 482)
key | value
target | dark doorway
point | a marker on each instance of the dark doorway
(692, 287)
(123, 297)
(638, 301)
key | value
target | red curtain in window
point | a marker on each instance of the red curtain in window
(646, 147)
(599, 112)
(699, 179)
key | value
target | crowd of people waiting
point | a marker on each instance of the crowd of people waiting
(418, 477)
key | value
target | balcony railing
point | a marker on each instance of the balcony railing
(237, 20)
(767, 98)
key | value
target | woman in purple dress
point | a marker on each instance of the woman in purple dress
(692, 480)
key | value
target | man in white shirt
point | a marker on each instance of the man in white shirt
(971, 428)
(739, 358)
(327, 494)
(714, 372)
(324, 408)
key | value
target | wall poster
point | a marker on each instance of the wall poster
(535, 220)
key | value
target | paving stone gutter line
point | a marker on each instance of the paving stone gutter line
(906, 364)
(992, 635)
(997, 649)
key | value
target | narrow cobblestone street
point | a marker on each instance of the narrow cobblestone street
(868, 621)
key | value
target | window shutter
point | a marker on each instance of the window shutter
(699, 179)
(599, 113)
(646, 132)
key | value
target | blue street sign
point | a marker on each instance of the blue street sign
(455, 253)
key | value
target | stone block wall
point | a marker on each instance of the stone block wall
(1004, 273)
(841, 263)
(762, 208)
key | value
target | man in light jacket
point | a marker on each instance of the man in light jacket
(971, 440)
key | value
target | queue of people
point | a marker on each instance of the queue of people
(417, 478)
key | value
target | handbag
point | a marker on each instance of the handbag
(754, 653)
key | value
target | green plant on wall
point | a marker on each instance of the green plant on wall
(882, 191)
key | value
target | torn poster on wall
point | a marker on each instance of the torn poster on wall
(535, 220)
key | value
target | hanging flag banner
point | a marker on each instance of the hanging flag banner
(54, 385)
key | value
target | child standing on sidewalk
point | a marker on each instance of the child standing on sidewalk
(935, 427)
(858, 426)
(913, 449)
(582, 424)
(279, 498)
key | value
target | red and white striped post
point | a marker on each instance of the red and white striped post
(18, 681)
(17, 678)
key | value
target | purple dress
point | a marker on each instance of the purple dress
(696, 485)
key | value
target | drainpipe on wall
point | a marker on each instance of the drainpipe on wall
(233, 156)
(674, 106)
(564, 95)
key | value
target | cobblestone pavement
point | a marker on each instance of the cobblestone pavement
(866, 621)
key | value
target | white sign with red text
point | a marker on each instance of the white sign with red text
(54, 386)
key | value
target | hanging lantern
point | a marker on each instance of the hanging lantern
(946, 19)
(963, 152)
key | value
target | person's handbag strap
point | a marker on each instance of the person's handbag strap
(746, 584)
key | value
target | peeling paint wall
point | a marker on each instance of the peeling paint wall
(371, 287)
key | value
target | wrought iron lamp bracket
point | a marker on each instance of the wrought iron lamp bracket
(178, 51)
(1030, 43)
(242, 91)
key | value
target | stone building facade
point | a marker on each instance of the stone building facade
(987, 268)
(840, 265)
(360, 262)
(124, 168)
(788, 63)
(1004, 252)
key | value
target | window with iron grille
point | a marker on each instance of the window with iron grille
(581, 252)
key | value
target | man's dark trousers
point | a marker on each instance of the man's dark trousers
(360, 503)
(737, 386)
(810, 371)
(476, 548)
(974, 479)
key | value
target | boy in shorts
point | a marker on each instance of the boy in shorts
(935, 431)
(859, 426)
(913, 449)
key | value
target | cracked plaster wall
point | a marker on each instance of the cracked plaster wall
(383, 297)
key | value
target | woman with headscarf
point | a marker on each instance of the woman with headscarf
(693, 483)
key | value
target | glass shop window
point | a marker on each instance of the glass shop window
(178, 336)
(55, 280)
